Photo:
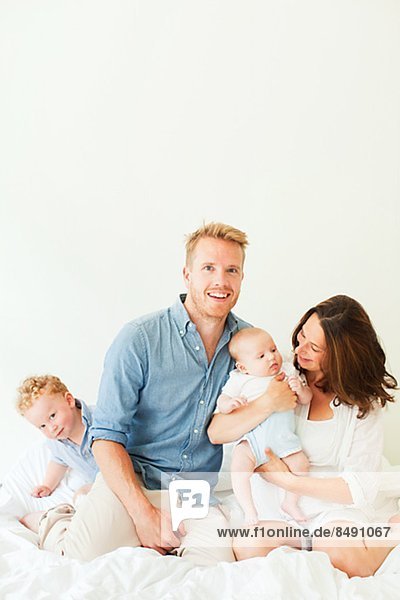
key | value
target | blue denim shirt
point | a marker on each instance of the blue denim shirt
(79, 457)
(158, 393)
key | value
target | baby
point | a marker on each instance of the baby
(257, 363)
(46, 403)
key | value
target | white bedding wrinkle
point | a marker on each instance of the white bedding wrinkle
(32, 574)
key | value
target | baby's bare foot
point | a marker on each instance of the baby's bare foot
(293, 511)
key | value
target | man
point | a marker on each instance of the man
(162, 376)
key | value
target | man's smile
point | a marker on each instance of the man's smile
(218, 295)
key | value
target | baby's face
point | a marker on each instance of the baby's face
(259, 356)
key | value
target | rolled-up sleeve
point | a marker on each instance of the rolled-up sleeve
(364, 460)
(123, 377)
(57, 455)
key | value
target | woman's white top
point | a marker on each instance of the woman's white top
(349, 446)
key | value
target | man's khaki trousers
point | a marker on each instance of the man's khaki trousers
(101, 524)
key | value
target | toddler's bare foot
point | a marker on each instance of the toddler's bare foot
(293, 511)
(31, 520)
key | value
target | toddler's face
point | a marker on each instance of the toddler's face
(53, 414)
(259, 356)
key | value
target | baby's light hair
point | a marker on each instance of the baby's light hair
(33, 387)
(219, 231)
(243, 334)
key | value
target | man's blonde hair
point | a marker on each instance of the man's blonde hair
(33, 387)
(219, 231)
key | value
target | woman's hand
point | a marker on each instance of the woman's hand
(276, 471)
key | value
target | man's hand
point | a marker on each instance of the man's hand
(153, 526)
(154, 530)
(40, 491)
(279, 395)
(230, 427)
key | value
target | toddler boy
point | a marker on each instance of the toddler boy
(46, 402)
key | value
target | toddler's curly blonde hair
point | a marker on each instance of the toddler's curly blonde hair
(33, 387)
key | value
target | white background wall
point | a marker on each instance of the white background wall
(125, 124)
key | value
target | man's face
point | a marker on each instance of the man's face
(213, 277)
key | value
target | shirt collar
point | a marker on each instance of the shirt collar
(182, 319)
(85, 413)
(180, 314)
(232, 323)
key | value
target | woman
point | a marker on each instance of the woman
(341, 431)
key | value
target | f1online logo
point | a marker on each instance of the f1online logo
(188, 499)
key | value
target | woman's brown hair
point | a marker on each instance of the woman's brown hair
(354, 364)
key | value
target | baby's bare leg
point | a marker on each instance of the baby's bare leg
(298, 464)
(242, 468)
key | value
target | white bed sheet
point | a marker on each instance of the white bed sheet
(15, 498)
(32, 574)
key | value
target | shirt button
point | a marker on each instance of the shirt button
(195, 430)
(190, 324)
(181, 332)
(184, 456)
(197, 348)
(201, 402)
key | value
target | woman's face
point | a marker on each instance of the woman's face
(312, 345)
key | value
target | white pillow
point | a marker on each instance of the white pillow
(29, 471)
